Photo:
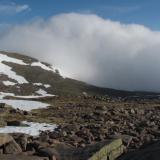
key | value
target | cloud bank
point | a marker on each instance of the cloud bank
(92, 49)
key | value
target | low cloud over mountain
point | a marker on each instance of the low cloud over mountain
(90, 48)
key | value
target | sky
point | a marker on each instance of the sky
(144, 12)
(107, 43)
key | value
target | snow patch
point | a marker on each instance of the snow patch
(47, 85)
(7, 70)
(39, 64)
(12, 60)
(43, 93)
(3, 94)
(40, 84)
(33, 129)
(26, 105)
(9, 83)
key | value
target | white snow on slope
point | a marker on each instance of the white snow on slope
(7, 70)
(26, 105)
(4, 94)
(43, 93)
(9, 83)
(33, 129)
(47, 85)
(40, 84)
(39, 64)
(10, 59)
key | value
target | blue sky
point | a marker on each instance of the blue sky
(144, 12)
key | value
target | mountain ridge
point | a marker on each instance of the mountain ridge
(41, 75)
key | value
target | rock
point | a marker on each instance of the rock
(149, 152)
(109, 150)
(12, 148)
(51, 153)
(44, 138)
(1, 151)
(2, 123)
(5, 138)
(25, 113)
(132, 111)
(14, 123)
(2, 105)
(13, 111)
(126, 139)
(64, 133)
(22, 140)
(155, 132)
(31, 148)
(82, 145)
(141, 111)
(101, 108)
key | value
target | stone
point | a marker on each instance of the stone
(51, 153)
(126, 139)
(13, 111)
(132, 111)
(1, 151)
(5, 138)
(149, 152)
(101, 108)
(2, 105)
(25, 113)
(13, 123)
(22, 141)
(107, 150)
(12, 148)
(44, 138)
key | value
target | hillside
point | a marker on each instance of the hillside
(23, 75)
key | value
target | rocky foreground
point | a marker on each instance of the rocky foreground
(88, 122)
(22, 146)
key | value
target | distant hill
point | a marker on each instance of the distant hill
(23, 75)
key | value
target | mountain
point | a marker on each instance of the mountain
(23, 75)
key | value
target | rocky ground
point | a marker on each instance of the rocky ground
(137, 123)
(86, 121)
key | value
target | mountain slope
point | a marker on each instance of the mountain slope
(23, 75)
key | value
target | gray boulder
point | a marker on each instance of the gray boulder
(12, 148)
(149, 152)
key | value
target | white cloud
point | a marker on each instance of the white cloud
(13, 8)
(92, 49)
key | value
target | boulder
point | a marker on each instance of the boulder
(5, 138)
(2, 105)
(14, 123)
(109, 150)
(22, 140)
(12, 148)
(149, 152)
(1, 151)
(51, 153)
